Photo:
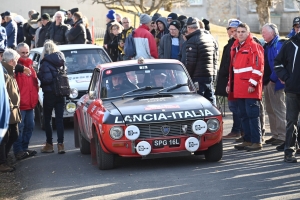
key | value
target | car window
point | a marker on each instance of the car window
(117, 81)
(84, 60)
(93, 89)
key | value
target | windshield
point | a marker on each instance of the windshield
(145, 79)
(84, 60)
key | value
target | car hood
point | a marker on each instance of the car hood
(147, 110)
(80, 81)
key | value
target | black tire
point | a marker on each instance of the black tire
(104, 160)
(214, 153)
(84, 145)
(40, 116)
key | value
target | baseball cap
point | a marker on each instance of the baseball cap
(296, 21)
(234, 24)
(191, 20)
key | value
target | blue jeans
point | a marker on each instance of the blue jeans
(237, 122)
(25, 131)
(51, 102)
(206, 88)
(249, 113)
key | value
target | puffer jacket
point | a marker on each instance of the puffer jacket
(13, 93)
(77, 34)
(28, 86)
(11, 31)
(201, 54)
(114, 51)
(286, 65)
(223, 73)
(58, 34)
(48, 70)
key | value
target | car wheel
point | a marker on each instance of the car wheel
(104, 160)
(214, 153)
(84, 145)
(40, 116)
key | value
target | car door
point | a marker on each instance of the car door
(93, 94)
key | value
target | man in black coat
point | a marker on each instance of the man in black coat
(77, 34)
(201, 58)
(44, 30)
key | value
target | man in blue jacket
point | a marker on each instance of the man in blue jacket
(273, 88)
(11, 31)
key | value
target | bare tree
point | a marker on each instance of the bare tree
(263, 11)
(137, 6)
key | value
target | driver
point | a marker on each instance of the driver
(159, 79)
(83, 62)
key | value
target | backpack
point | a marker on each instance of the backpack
(129, 47)
(61, 83)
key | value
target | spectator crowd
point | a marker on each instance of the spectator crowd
(247, 69)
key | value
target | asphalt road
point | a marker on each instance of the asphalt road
(239, 175)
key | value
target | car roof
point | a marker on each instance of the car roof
(70, 47)
(135, 62)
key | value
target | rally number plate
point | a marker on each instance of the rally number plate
(166, 142)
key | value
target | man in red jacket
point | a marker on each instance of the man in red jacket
(245, 85)
(28, 86)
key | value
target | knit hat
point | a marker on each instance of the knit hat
(45, 16)
(145, 19)
(74, 10)
(156, 16)
(172, 16)
(7, 13)
(111, 14)
(181, 17)
(296, 21)
(176, 23)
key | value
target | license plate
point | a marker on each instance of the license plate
(166, 142)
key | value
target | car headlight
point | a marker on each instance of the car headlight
(71, 107)
(73, 93)
(116, 132)
(213, 125)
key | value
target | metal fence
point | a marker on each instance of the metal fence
(99, 32)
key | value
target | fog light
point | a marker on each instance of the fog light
(71, 107)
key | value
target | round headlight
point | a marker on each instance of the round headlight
(71, 107)
(116, 132)
(73, 93)
(213, 125)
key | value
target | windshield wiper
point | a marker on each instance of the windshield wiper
(173, 87)
(141, 89)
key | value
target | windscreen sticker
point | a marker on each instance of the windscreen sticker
(73, 51)
(143, 67)
(160, 107)
(147, 71)
(163, 116)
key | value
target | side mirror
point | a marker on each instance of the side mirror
(196, 85)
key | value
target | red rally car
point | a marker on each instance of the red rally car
(146, 109)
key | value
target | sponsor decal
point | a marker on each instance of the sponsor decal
(160, 107)
(153, 100)
(163, 116)
(83, 80)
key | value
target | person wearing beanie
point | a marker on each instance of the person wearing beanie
(143, 39)
(170, 44)
(43, 34)
(171, 17)
(77, 34)
(74, 10)
(153, 28)
(162, 29)
(11, 31)
(108, 36)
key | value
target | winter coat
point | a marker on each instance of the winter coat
(3, 38)
(124, 35)
(182, 54)
(161, 33)
(77, 34)
(113, 49)
(88, 36)
(29, 30)
(20, 34)
(13, 93)
(48, 70)
(272, 51)
(43, 35)
(58, 33)
(145, 43)
(165, 46)
(201, 54)
(11, 32)
(28, 86)
(223, 73)
(246, 69)
(4, 106)
(108, 36)
(286, 64)
(69, 21)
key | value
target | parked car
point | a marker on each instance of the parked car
(147, 109)
(81, 59)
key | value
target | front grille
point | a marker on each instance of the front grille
(154, 130)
